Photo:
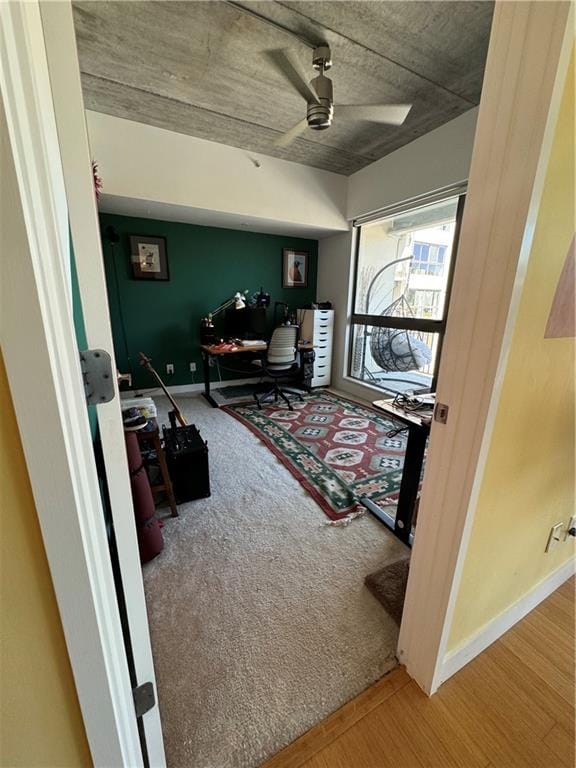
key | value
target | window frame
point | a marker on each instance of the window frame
(424, 325)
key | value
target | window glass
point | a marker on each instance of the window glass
(402, 274)
(394, 359)
(404, 262)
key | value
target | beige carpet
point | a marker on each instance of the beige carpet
(261, 624)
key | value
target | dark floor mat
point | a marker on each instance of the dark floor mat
(388, 585)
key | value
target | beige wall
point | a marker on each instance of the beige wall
(40, 720)
(528, 481)
(438, 159)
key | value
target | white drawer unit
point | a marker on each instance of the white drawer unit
(317, 326)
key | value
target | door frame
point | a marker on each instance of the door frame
(528, 57)
(68, 102)
(47, 142)
(39, 346)
(55, 431)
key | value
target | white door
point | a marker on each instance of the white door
(62, 93)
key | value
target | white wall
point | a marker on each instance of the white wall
(334, 265)
(335, 277)
(139, 162)
(334, 282)
(436, 160)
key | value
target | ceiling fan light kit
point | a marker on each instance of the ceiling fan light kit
(319, 95)
(322, 58)
(320, 111)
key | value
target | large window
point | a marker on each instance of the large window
(403, 275)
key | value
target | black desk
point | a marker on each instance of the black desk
(418, 430)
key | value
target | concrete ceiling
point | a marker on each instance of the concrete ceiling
(203, 69)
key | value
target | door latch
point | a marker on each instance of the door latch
(441, 413)
(96, 365)
(144, 698)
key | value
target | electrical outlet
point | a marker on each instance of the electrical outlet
(555, 536)
(192, 367)
(170, 368)
(570, 527)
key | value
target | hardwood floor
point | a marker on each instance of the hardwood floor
(512, 707)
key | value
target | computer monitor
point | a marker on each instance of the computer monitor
(247, 323)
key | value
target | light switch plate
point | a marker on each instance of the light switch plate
(555, 536)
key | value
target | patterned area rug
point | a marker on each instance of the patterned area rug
(337, 449)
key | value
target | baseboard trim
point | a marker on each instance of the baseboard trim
(459, 657)
(186, 389)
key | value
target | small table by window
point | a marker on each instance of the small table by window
(418, 424)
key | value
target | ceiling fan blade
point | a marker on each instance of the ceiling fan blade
(391, 114)
(293, 133)
(284, 63)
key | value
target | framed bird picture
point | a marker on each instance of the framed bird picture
(294, 268)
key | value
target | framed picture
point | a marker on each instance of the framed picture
(294, 268)
(148, 257)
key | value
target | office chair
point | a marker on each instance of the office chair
(282, 361)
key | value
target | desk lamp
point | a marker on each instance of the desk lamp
(207, 332)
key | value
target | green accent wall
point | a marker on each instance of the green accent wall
(80, 329)
(77, 313)
(207, 265)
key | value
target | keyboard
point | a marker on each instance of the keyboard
(252, 343)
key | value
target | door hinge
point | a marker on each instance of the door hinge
(144, 698)
(441, 413)
(96, 365)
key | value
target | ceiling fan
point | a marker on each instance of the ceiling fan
(319, 97)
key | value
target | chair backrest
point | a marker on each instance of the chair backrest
(283, 347)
